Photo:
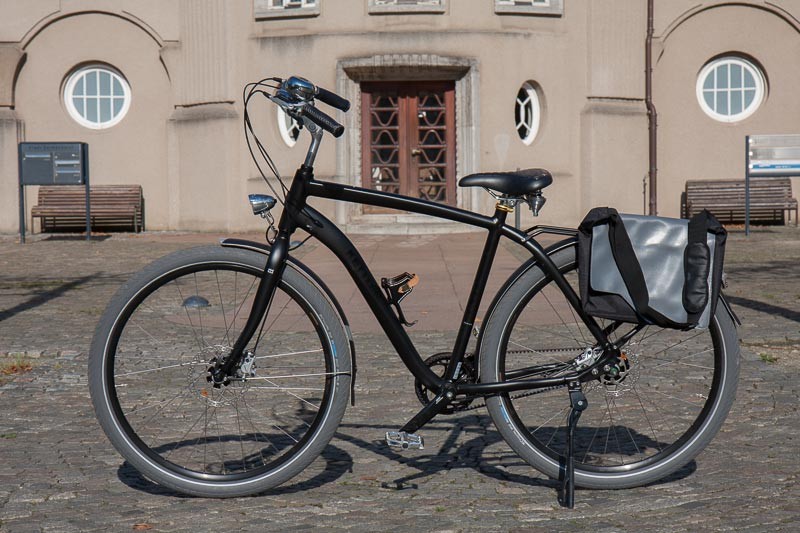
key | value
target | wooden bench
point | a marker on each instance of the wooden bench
(111, 205)
(725, 199)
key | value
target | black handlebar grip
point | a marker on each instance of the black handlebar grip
(324, 121)
(333, 99)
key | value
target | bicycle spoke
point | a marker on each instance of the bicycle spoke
(222, 307)
(288, 354)
(250, 421)
(159, 368)
(649, 423)
(639, 404)
(188, 316)
(288, 391)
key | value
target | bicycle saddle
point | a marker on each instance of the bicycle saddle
(516, 183)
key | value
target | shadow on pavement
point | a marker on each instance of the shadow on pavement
(337, 461)
(769, 309)
(470, 455)
(42, 297)
(94, 238)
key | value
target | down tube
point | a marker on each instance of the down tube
(328, 234)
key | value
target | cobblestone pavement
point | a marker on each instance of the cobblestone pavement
(59, 473)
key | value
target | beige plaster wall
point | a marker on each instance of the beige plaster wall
(187, 60)
(691, 144)
(133, 151)
(508, 51)
(21, 20)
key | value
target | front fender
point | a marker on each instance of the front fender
(264, 249)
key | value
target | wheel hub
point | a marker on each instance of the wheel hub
(216, 389)
(620, 374)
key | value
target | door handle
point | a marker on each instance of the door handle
(416, 151)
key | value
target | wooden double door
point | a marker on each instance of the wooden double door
(409, 139)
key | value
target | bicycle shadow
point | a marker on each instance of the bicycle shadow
(337, 463)
(470, 454)
(450, 455)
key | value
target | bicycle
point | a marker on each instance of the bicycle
(224, 371)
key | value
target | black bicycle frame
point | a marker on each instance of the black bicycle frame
(297, 214)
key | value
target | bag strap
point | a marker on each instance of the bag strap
(697, 262)
(699, 227)
(628, 264)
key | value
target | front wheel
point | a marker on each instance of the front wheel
(649, 414)
(149, 366)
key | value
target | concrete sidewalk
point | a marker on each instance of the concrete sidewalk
(59, 473)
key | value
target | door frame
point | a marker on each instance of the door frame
(350, 72)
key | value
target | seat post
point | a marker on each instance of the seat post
(503, 207)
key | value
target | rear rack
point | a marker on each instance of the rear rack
(553, 230)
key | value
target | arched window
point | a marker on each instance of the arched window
(730, 88)
(97, 96)
(527, 113)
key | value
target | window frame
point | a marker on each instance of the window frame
(264, 9)
(285, 130)
(374, 8)
(78, 74)
(551, 8)
(535, 101)
(710, 69)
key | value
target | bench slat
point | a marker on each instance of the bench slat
(112, 204)
(769, 197)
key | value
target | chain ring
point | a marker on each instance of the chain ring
(467, 374)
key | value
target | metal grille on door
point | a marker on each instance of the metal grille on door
(408, 144)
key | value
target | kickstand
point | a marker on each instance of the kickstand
(578, 402)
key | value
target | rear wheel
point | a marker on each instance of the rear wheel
(649, 414)
(149, 368)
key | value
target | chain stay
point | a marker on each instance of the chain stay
(532, 392)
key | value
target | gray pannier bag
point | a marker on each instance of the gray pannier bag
(650, 270)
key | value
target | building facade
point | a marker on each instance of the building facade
(440, 89)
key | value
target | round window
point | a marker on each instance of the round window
(290, 128)
(730, 88)
(97, 96)
(527, 113)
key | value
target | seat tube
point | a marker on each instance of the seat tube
(476, 294)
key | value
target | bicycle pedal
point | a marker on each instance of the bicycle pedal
(404, 441)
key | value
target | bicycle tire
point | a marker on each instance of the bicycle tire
(150, 355)
(645, 425)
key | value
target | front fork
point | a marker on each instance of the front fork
(276, 263)
(273, 271)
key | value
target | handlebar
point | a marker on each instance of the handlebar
(299, 93)
(333, 99)
(305, 90)
(322, 120)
